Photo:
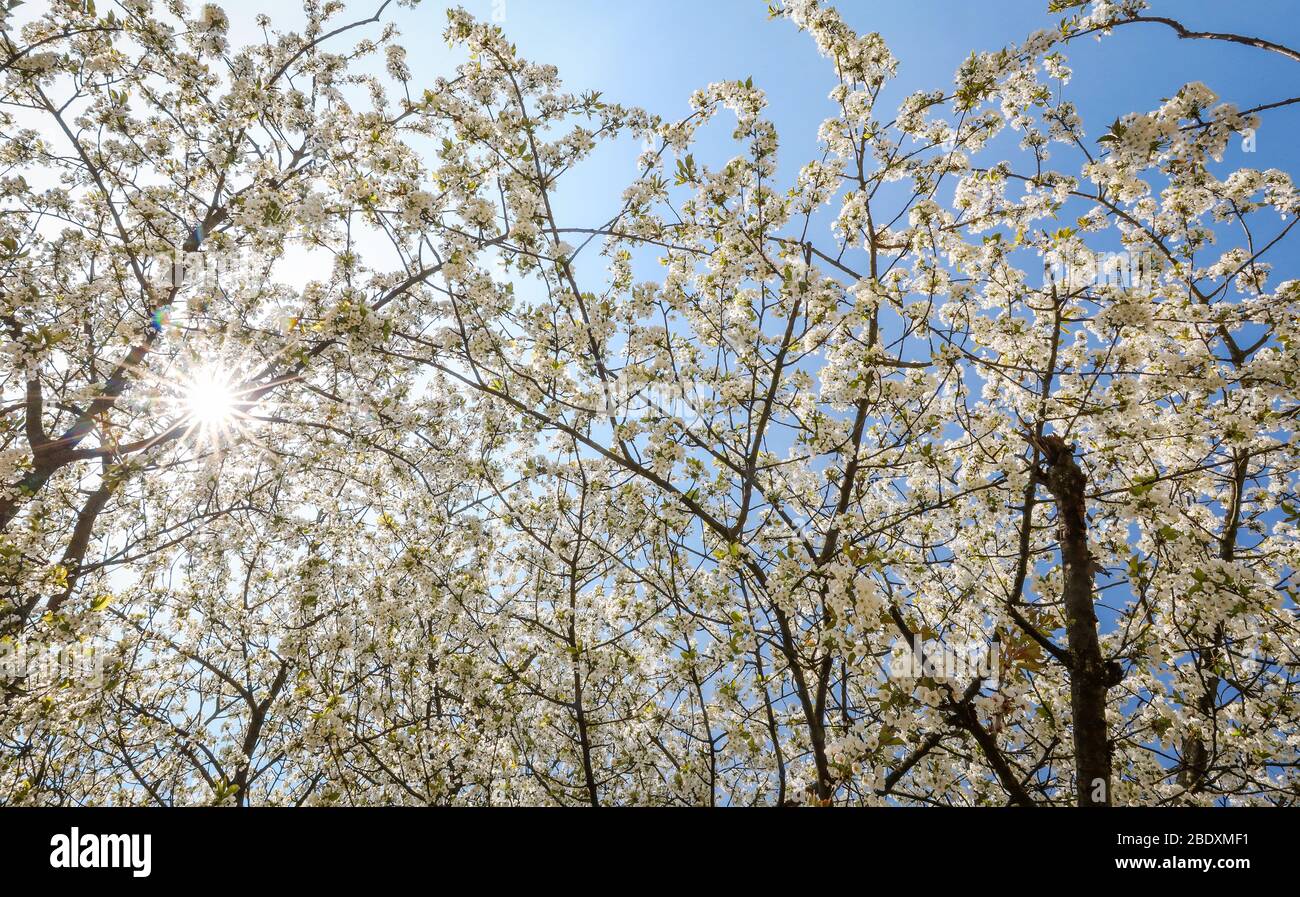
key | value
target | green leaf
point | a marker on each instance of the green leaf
(1143, 486)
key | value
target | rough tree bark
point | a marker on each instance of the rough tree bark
(1090, 675)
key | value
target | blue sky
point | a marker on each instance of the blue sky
(655, 54)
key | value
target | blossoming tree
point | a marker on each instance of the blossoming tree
(865, 485)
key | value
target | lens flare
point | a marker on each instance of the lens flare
(210, 399)
(212, 405)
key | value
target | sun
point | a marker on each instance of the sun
(210, 401)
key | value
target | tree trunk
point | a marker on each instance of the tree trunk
(1090, 676)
